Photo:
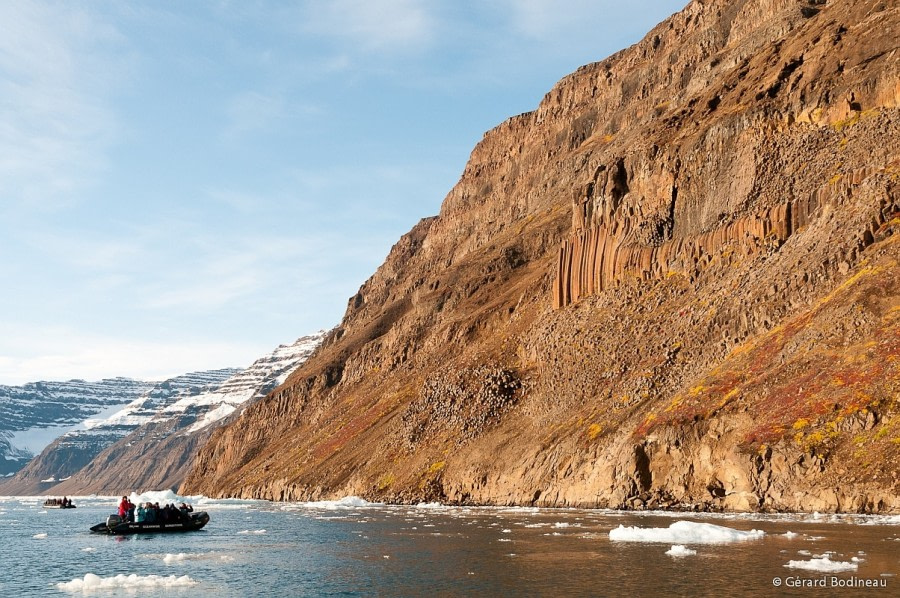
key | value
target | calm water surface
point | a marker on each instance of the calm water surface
(272, 549)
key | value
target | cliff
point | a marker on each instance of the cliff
(675, 283)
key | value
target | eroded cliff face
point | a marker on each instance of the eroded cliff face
(675, 283)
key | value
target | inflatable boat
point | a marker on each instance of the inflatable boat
(116, 525)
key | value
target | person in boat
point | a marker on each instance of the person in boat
(185, 511)
(140, 514)
(123, 508)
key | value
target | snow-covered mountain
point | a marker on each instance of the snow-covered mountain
(255, 382)
(150, 441)
(33, 415)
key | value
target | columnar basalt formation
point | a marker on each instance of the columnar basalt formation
(675, 283)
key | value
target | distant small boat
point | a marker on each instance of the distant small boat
(116, 525)
(53, 503)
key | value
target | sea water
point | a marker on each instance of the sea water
(355, 548)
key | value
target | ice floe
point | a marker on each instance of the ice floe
(680, 550)
(348, 502)
(95, 582)
(684, 532)
(39, 536)
(252, 531)
(823, 564)
(790, 535)
(188, 556)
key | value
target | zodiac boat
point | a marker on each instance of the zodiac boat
(116, 525)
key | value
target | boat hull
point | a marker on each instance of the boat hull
(197, 521)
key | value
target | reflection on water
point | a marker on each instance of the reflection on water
(258, 548)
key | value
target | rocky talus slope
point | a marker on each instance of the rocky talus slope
(673, 284)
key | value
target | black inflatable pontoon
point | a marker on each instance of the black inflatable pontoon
(115, 525)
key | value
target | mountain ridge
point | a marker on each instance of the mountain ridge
(148, 442)
(672, 284)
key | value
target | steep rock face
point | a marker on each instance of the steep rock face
(674, 283)
(157, 453)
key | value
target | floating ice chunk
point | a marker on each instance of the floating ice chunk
(790, 535)
(188, 556)
(39, 536)
(88, 549)
(506, 531)
(163, 497)
(824, 564)
(348, 502)
(429, 505)
(560, 524)
(680, 550)
(684, 532)
(95, 582)
(253, 531)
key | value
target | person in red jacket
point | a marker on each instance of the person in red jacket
(126, 509)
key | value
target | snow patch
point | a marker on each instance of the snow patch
(684, 532)
(824, 564)
(680, 550)
(95, 582)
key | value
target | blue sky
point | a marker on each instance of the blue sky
(186, 185)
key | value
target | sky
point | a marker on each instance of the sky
(187, 185)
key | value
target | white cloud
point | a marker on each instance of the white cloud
(385, 25)
(55, 119)
(70, 353)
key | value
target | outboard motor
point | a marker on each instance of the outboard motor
(112, 521)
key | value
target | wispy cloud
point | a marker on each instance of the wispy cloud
(55, 120)
(385, 26)
(70, 353)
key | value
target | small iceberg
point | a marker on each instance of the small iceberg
(95, 582)
(348, 502)
(823, 564)
(684, 532)
(680, 550)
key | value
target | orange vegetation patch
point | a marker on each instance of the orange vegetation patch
(798, 388)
